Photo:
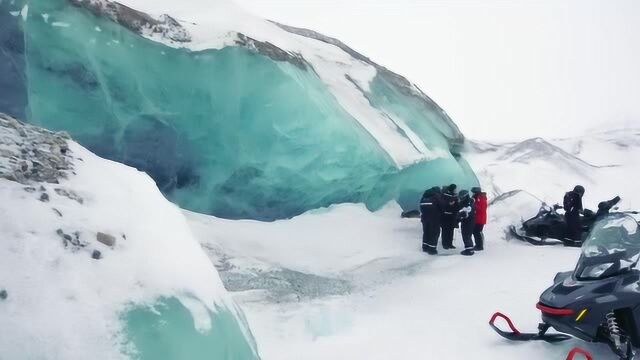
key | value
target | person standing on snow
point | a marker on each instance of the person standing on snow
(480, 200)
(449, 213)
(572, 204)
(430, 216)
(467, 217)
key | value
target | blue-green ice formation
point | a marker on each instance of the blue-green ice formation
(166, 331)
(235, 132)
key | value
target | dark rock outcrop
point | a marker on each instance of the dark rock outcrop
(30, 154)
(271, 51)
(135, 20)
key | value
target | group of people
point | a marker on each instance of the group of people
(442, 210)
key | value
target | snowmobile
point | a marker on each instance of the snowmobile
(599, 301)
(549, 227)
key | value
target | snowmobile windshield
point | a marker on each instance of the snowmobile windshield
(612, 247)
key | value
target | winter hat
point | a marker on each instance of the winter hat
(476, 190)
(579, 189)
(452, 188)
(463, 195)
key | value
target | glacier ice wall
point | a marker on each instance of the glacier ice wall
(231, 132)
(13, 92)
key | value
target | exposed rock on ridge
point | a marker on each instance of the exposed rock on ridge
(30, 154)
(135, 20)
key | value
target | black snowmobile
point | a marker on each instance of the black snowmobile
(599, 301)
(549, 227)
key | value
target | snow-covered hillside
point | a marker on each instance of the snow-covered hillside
(606, 164)
(346, 283)
(95, 263)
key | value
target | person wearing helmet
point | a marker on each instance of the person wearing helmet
(480, 200)
(467, 217)
(430, 216)
(449, 211)
(572, 204)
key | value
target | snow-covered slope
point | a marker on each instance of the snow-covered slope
(347, 283)
(605, 163)
(94, 261)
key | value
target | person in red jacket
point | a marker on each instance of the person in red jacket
(481, 217)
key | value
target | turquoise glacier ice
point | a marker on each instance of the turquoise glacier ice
(166, 332)
(233, 132)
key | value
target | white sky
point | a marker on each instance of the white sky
(503, 69)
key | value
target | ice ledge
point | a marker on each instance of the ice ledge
(402, 83)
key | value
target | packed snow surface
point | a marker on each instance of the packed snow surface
(377, 296)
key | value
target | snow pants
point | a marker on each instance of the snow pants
(467, 233)
(430, 234)
(448, 225)
(478, 236)
(574, 226)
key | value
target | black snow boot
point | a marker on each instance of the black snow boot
(431, 250)
(467, 252)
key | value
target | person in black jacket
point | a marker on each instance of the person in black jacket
(572, 204)
(430, 215)
(467, 217)
(449, 213)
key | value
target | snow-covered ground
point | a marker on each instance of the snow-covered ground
(61, 301)
(345, 283)
(336, 283)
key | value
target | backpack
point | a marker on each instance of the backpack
(569, 201)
